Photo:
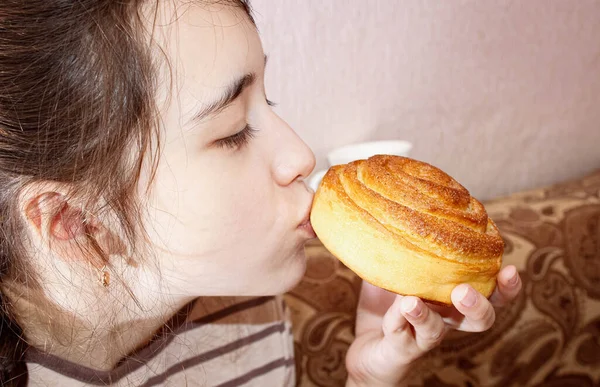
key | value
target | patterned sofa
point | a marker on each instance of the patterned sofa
(549, 337)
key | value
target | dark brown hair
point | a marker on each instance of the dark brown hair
(76, 102)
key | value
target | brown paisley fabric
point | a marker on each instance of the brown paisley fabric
(550, 336)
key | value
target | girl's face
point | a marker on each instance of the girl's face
(228, 206)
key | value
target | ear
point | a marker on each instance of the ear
(62, 226)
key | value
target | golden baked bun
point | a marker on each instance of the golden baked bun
(407, 227)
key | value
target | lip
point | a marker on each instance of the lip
(305, 224)
(307, 227)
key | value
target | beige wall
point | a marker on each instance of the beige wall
(503, 95)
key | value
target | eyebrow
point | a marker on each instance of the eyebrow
(232, 92)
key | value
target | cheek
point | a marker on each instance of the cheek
(201, 209)
(239, 209)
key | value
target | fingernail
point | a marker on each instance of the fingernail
(414, 309)
(514, 279)
(469, 297)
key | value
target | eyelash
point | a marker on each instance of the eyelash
(241, 138)
(238, 140)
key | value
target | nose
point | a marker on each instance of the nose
(293, 160)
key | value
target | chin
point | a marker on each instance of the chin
(286, 277)
(296, 275)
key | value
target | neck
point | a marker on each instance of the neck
(98, 340)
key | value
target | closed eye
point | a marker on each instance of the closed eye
(238, 140)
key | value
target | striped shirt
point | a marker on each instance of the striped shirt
(226, 342)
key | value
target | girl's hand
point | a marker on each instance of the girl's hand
(392, 330)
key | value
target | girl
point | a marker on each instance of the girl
(142, 174)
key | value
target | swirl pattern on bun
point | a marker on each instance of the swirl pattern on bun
(408, 227)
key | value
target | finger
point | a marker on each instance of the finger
(509, 286)
(428, 325)
(373, 303)
(393, 320)
(375, 299)
(403, 341)
(478, 311)
(398, 347)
